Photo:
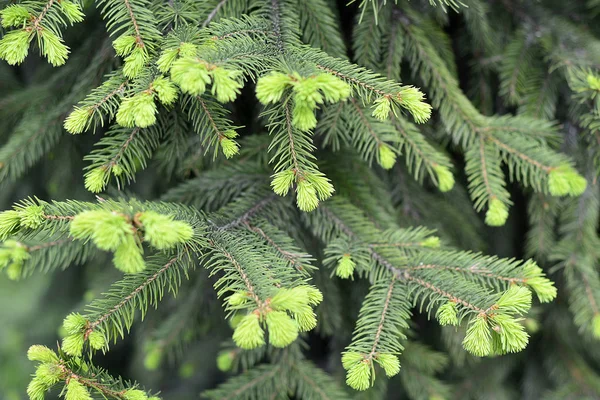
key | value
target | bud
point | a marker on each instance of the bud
(128, 257)
(42, 354)
(73, 344)
(13, 254)
(135, 394)
(166, 59)
(74, 323)
(345, 267)
(108, 230)
(596, 326)
(248, 334)
(96, 179)
(359, 376)
(531, 325)
(226, 84)
(123, 45)
(53, 48)
(97, 340)
(77, 121)
(163, 232)
(230, 147)
(238, 298)
(282, 181)
(513, 337)
(306, 93)
(72, 11)
(303, 116)
(321, 184)
(135, 62)
(270, 87)
(516, 299)
(235, 320)
(444, 177)
(14, 15)
(225, 360)
(431, 242)
(153, 358)
(306, 196)
(14, 270)
(282, 328)
(412, 99)
(446, 314)
(332, 87)
(306, 319)
(381, 108)
(536, 279)
(14, 46)
(48, 373)
(187, 49)
(564, 180)
(36, 390)
(351, 358)
(497, 213)
(10, 222)
(290, 299)
(32, 216)
(166, 91)
(191, 75)
(314, 295)
(389, 363)
(387, 157)
(478, 340)
(139, 110)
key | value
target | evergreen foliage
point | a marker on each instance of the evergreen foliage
(274, 175)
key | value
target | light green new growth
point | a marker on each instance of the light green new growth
(162, 231)
(496, 331)
(225, 360)
(359, 371)
(12, 256)
(96, 179)
(139, 110)
(77, 391)
(166, 91)
(431, 242)
(77, 121)
(389, 363)
(106, 229)
(478, 340)
(42, 354)
(444, 177)
(386, 156)
(14, 46)
(345, 267)
(14, 15)
(282, 328)
(135, 394)
(191, 76)
(110, 231)
(537, 281)
(9, 223)
(307, 94)
(446, 314)
(596, 326)
(565, 180)
(248, 334)
(497, 213)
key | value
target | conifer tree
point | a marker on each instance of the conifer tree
(302, 198)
